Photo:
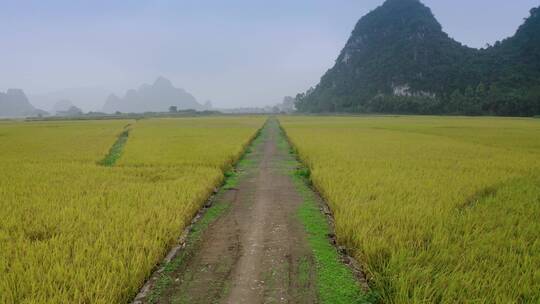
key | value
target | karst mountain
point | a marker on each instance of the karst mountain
(398, 59)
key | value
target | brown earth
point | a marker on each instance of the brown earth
(257, 251)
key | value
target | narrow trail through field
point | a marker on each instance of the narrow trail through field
(250, 246)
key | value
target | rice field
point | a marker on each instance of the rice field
(437, 210)
(74, 231)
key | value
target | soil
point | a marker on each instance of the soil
(256, 251)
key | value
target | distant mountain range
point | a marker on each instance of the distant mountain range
(14, 103)
(399, 60)
(87, 98)
(158, 97)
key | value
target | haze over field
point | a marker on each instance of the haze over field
(237, 54)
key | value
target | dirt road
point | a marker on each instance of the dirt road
(256, 249)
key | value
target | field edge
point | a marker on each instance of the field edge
(340, 277)
(187, 243)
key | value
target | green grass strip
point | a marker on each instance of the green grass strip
(116, 150)
(336, 283)
(245, 162)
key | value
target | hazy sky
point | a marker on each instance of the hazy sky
(236, 52)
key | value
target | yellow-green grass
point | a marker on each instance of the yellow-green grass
(438, 210)
(61, 142)
(73, 231)
(215, 144)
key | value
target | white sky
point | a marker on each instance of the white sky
(235, 53)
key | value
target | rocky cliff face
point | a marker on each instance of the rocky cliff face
(157, 97)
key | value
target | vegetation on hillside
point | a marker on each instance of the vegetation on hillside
(399, 60)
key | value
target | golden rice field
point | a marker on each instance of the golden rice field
(438, 210)
(72, 231)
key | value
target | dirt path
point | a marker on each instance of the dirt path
(272, 241)
(257, 250)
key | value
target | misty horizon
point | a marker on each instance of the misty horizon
(250, 55)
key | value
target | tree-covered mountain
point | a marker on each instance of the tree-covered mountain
(399, 60)
(14, 103)
(158, 97)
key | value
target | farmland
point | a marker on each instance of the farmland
(437, 210)
(76, 231)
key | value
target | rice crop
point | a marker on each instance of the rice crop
(437, 210)
(74, 231)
